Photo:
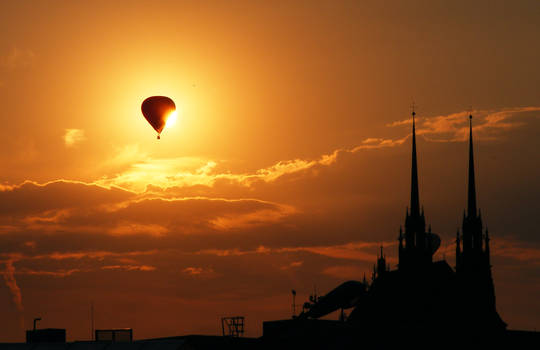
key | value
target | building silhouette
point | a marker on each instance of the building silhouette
(421, 301)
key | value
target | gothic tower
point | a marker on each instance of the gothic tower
(472, 250)
(473, 261)
(416, 252)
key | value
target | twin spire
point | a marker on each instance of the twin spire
(415, 199)
(417, 249)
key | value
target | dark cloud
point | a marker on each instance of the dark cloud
(31, 197)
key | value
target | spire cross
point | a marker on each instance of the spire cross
(413, 107)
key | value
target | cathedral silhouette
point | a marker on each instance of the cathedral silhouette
(422, 302)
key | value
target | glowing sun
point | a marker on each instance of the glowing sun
(171, 119)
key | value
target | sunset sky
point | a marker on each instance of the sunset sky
(288, 166)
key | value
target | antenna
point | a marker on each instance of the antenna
(293, 303)
(92, 320)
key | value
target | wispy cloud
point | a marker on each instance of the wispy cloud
(487, 124)
(374, 143)
(292, 265)
(200, 272)
(124, 261)
(96, 254)
(251, 219)
(514, 249)
(129, 267)
(73, 137)
(131, 228)
(185, 172)
(360, 251)
(55, 273)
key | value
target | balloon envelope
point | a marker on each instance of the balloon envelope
(156, 109)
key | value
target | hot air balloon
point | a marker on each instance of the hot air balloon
(156, 110)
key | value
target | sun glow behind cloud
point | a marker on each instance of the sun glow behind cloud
(134, 169)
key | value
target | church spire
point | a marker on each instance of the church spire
(416, 251)
(415, 201)
(471, 205)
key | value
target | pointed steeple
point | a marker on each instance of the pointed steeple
(415, 200)
(471, 204)
(416, 251)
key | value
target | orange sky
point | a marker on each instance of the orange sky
(287, 167)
